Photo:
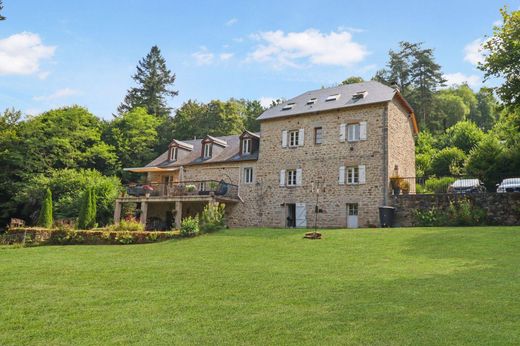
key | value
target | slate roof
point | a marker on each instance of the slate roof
(375, 93)
(229, 154)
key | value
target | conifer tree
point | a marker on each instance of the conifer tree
(154, 81)
(87, 210)
(92, 209)
(45, 217)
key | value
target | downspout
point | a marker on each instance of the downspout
(385, 155)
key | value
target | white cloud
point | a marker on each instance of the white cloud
(296, 49)
(58, 94)
(21, 54)
(460, 78)
(473, 52)
(231, 22)
(203, 56)
(226, 56)
(266, 101)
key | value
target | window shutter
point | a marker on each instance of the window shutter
(282, 177)
(342, 175)
(299, 177)
(284, 139)
(363, 130)
(301, 137)
(362, 174)
(342, 129)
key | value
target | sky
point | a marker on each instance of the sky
(55, 53)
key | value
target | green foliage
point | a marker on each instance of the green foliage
(212, 217)
(438, 185)
(154, 81)
(190, 226)
(448, 161)
(352, 80)
(68, 186)
(503, 57)
(134, 136)
(127, 226)
(45, 217)
(447, 110)
(487, 161)
(87, 212)
(464, 135)
(459, 213)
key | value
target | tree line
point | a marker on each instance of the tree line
(69, 150)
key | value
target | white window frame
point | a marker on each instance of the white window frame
(320, 129)
(173, 154)
(248, 175)
(207, 150)
(246, 145)
(202, 186)
(294, 140)
(292, 177)
(352, 175)
(354, 132)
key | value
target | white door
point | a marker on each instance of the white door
(352, 215)
(301, 215)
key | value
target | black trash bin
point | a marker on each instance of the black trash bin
(386, 216)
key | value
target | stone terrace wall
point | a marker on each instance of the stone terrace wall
(501, 208)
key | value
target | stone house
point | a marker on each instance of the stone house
(335, 147)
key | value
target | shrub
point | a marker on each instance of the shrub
(127, 226)
(438, 185)
(190, 226)
(448, 161)
(212, 218)
(429, 218)
(463, 213)
(45, 217)
(87, 212)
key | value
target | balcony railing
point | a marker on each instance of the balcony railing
(185, 188)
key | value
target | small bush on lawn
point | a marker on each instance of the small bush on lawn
(212, 218)
(190, 226)
(127, 226)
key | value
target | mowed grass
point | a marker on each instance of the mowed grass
(430, 286)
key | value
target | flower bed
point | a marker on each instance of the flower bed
(44, 236)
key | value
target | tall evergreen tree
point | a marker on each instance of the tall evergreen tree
(45, 217)
(87, 212)
(154, 81)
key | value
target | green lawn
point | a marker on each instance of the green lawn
(261, 286)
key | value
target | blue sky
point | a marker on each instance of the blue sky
(57, 52)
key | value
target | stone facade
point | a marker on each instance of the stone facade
(501, 208)
(383, 146)
(322, 162)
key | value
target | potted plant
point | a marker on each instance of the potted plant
(395, 183)
(405, 187)
(190, 188)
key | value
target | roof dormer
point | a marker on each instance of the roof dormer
(176, 149)
(249, 143)
(211, 147)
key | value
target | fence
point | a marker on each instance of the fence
(185, 188)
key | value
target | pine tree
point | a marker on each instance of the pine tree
(87, 211)
(45, 217)
(153, 80)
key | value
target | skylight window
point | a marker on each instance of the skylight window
(332, 98)
(288, 106)
(360, 95)
(311, 101)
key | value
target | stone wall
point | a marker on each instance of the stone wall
(501, 208)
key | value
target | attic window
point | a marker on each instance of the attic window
(332, 98)
(360, 95)
(311, 101)
(288, 106)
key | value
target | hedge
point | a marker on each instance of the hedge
(45, 236)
